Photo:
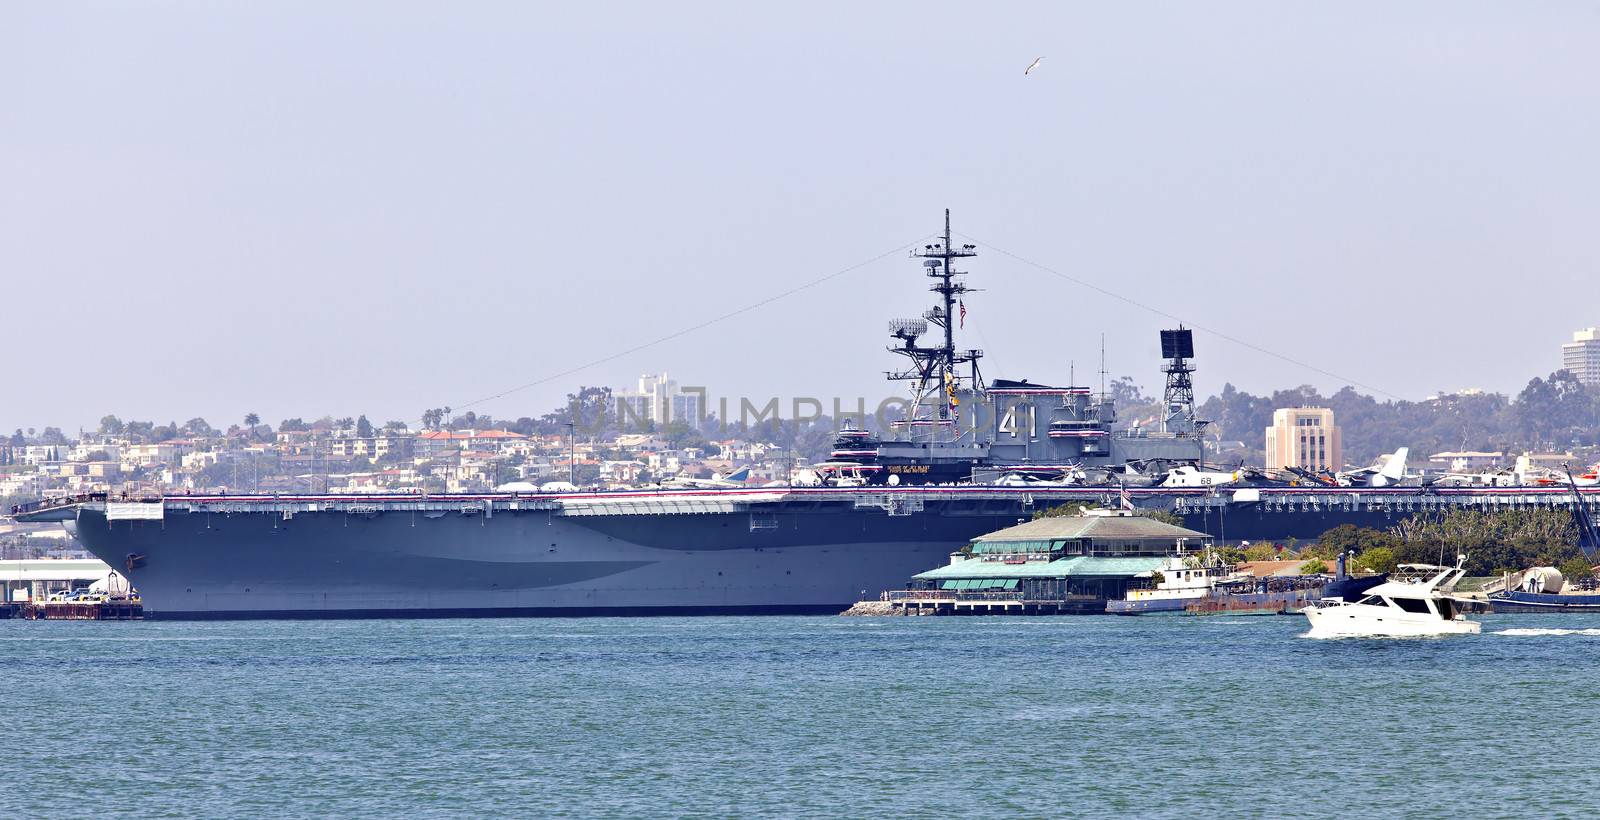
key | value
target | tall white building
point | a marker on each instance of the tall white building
(1581, 356)
(658, 399)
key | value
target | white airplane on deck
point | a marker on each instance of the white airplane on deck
(1522, 475)
(718, 481)
(1488, 478)
(1188, 475)
(1388, 474)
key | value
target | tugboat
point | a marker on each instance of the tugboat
(1185, 578)
(1414, 603)
(1259, 596)
(1544, 589)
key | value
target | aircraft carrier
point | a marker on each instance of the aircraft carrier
(715, 551)
(888, 506)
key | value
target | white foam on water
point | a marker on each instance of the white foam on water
(1528, 633)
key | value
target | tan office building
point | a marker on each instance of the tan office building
(1304, 437)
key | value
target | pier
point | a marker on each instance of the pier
(949, 602)
(34, 580)
(116, 609)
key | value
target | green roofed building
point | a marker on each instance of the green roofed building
(1049, 566)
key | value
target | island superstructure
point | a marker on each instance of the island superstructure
(960, 429)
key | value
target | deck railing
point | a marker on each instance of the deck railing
(951, 595)
(903, 595)
(55, 501)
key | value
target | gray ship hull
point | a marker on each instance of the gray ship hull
(386, 564)
(789, 550)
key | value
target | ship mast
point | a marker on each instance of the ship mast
(933, 368)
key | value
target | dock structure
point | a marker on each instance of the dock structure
(115, 609)
(951, 602)
(35, 579)
(1060, 565)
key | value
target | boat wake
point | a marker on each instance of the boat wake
(1319, 636)
(1528, 633)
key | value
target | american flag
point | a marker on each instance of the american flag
(1123, 497)
(963, 314)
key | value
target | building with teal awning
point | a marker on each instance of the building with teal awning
(1075, 563)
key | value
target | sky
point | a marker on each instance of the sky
(300, 209)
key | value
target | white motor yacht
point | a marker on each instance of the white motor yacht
(1415, 602)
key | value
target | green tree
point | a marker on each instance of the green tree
(251, 420)
(1231, 555)
(587, 475)
(363, 427)
(1377, 559)
(1349, 537)
(1317, 549)
(1260, 552)
(1490, 540)
(1068, 509)
(1164, 516)
(591, 408)
(110, 426)
(1314, 567)
(1576, 569)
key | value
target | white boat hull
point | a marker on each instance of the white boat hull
(1364, 621)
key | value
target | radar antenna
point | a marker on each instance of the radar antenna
(933, 367)
(1177, 347)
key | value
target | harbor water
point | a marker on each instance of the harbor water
(798, 717)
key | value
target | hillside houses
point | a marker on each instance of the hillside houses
(320, 456)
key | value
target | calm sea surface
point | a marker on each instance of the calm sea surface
(820, 717)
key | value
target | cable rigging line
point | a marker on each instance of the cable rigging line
(1159, 312)
(697, 327)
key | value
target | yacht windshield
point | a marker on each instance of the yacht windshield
(1414, 605)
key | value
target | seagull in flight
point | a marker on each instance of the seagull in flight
(1031, 66)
